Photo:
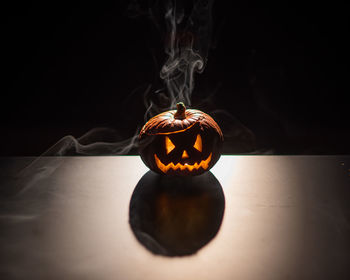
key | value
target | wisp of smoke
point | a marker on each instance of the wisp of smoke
(187, 44)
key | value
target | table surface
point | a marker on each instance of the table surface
(285, 217)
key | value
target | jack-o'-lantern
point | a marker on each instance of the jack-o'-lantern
(180, 142)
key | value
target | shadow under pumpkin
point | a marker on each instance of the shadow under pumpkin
(176, 216)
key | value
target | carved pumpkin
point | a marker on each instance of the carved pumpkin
(180, 142)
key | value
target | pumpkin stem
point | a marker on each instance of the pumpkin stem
(180, 113)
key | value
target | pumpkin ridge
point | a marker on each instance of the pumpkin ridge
(166, 121)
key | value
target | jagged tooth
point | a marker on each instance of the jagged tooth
(196, 166)
(203, 164)
(165, 168)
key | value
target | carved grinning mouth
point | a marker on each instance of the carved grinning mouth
(164, 168)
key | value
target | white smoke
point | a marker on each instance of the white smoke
(187, 42)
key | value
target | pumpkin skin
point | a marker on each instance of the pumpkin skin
(180, 142)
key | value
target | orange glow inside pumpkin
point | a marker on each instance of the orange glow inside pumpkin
(185, 154)
(165, 168)
(169, 146)
(198, 143)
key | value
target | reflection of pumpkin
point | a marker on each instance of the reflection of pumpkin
(183, 220)
(176, 216)
(180, 142)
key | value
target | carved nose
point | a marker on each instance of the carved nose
(185, 154)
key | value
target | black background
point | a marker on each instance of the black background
(280, 70)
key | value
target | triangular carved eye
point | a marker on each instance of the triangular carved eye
(169, 146)
(198, 144)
